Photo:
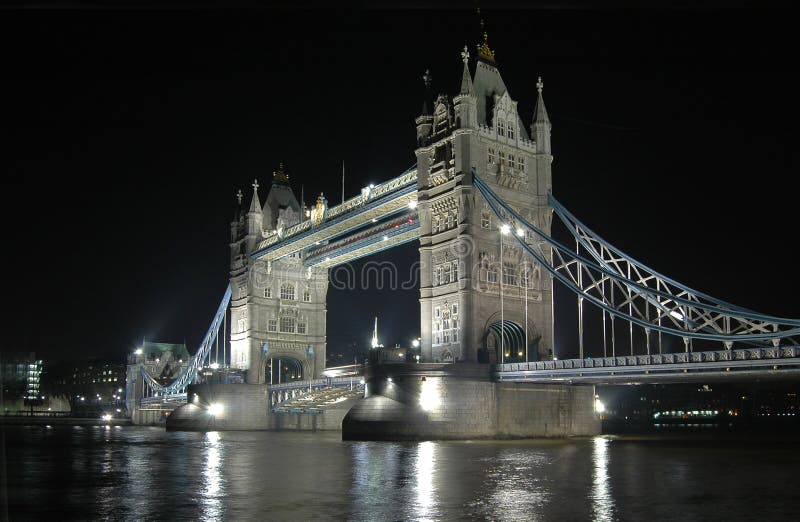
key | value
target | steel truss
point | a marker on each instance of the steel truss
(629, 290)
(178, 386)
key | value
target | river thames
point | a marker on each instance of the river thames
(147, 473)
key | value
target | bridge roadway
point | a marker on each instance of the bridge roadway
(754, 364)
(375, 203)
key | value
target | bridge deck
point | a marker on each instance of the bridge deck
(750, 363)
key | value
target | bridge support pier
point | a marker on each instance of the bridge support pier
(460, 401)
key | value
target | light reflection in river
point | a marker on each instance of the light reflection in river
(424, 470)
(602, 501)
(212, 494)
(149, 474)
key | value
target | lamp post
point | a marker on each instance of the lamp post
(504, 230)
(521, 233)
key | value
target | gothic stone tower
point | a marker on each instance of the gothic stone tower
(277, 308)
(480, 131)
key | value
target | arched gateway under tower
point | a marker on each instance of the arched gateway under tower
(476, 286)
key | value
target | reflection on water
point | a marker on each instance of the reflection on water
(602, 501)
(134, 473)
(423, 471)
(212, 495)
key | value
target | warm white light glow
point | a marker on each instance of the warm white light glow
(214, 366)
(139, 351)
(389, 379)
(215, 409)
(429, 397)
(412, 203)
(520, 232)
(415, 343)
(599, 407)
(106, 417)
(676, 315)
(505, 229)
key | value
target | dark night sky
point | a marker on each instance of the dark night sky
(126, 132)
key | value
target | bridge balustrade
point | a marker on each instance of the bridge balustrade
(666, 359)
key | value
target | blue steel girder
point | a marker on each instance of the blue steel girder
(599, 279)
(376, 203)
(178, 386)
(382, 236)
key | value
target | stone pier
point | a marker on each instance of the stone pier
(460, 401)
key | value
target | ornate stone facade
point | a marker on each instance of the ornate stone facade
(480, 131)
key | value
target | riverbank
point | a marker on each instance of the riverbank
(8, 420)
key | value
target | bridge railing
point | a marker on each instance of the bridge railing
(744, 354)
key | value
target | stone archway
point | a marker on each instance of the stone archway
(281, 368)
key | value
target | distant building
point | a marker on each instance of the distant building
(21, 378)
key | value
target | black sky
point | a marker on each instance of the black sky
(126, 132)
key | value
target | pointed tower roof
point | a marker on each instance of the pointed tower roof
(540, 113)
(466, 78)
(255, 204)
(428, 79)
(279, 176)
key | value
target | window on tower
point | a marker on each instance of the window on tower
(510, 129)
(287, 324)
(307, 295)
(287, 291)
(501, 127)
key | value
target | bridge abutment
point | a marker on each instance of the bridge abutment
(460, 401)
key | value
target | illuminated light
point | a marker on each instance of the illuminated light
(599, 407)
(361, 381)
(505, 229)
(139, 351)
(389, 379)
(327, 259)
(371, 185)
(400, 354)
(412, 203)
(119, 411)
(429, 397)
(119, 390)
(519, 354)
(386, 238)
(520, 232)
(308, 213)
(374, 220)
(214, 366)
(215, 409)
(676, 315)
(415, 343)
(106, 417)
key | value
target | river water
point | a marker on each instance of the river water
(145, 473)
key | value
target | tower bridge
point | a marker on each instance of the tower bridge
(479, 201)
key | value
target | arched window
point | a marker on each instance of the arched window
(307, 295)
(287, 291)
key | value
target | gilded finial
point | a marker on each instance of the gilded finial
(255, 185)
(539, 85)
(465, 55)
(483, 49)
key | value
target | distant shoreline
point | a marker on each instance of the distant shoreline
(8, 420)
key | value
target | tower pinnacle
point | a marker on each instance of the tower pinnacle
(466, 79)
(540, 115)
(255, 205)
(239, 196)
(427, 79)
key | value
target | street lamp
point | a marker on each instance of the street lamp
(504, 231)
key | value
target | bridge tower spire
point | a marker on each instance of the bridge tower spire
(541, 126)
